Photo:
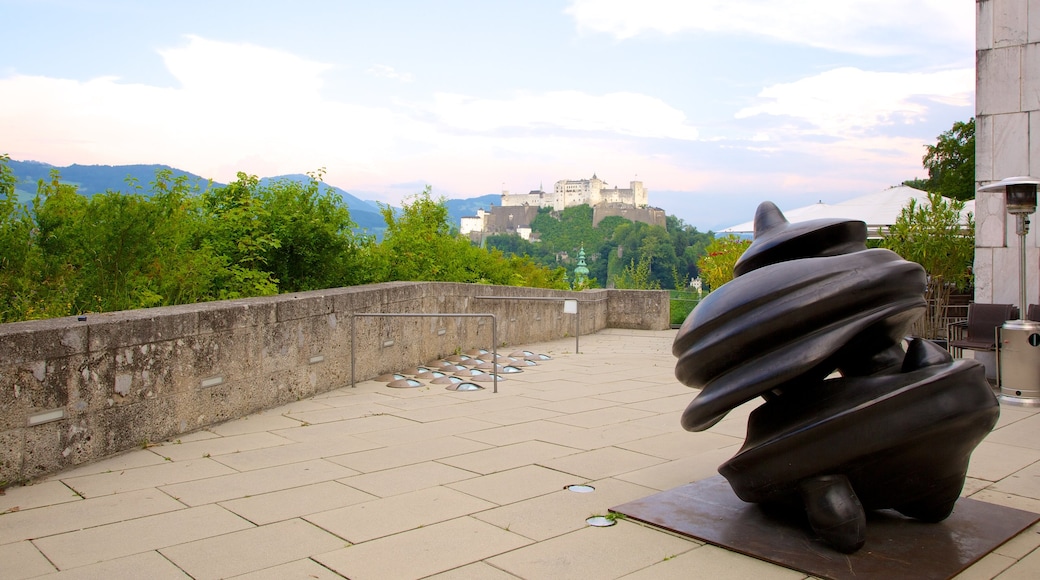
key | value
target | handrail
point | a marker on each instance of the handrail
(577, 309)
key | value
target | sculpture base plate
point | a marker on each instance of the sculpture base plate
(897, 547)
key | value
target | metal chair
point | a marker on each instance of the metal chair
(979, 331)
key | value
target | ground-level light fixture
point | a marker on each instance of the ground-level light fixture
(404, 384)
(390, 377)
(464, 386)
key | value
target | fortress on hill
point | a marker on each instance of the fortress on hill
(516, 211)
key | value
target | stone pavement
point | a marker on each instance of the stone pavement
(374, 482)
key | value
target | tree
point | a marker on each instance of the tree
(316, 245)
(932, 235)
(716, 265)
(637, 276)
(236, 229)
(951, 162)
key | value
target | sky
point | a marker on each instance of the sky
(715, 105)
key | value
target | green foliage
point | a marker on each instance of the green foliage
(637, 276)
(932, 235)
(172, 244)
(951, 163)
(716, 265)
(316, 244)
(420, 244)
(681, 303)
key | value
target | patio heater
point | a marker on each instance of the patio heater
(1018, 341)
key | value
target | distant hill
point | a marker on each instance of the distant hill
(460, 208)
(91, 179)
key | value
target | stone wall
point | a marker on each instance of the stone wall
(1007, 141)
(73, 391)
(648, 215)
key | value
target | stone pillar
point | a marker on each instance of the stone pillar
(1007, 141)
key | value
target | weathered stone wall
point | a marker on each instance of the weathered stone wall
(73, 391)
(647, 215)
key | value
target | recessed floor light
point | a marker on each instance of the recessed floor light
(464, 386)
(580, 488)
(600, 521)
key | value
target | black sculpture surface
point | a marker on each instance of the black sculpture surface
(893, 428)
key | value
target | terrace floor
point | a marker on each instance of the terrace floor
(374, 482)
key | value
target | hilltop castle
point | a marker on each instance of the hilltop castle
(517, 211)
(568, 193)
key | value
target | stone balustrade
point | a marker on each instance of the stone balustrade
(77, 389)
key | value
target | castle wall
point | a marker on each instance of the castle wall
(648, 215)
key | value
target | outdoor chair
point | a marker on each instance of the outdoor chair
(979, 331)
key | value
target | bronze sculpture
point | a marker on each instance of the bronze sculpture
(894, 428)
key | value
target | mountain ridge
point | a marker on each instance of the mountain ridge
(93, 179)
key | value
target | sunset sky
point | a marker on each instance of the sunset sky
(715, 105)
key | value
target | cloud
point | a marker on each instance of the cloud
(388, 72)
(848, 101)
(235, 107)
(868, 27)
(622, 113)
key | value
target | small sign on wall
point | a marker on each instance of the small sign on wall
(570, 306)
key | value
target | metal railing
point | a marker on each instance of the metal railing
(577, 309)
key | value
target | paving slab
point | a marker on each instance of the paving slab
(149, 565)
(409, 453)
(521, 432)
(423, 552)
(148, 477)
(37, 495)
(506, 487)
(249, 483)
(399, 513)
(260, 422)
(508, 456)
(715, 563)
(251, 550)
(305, 569)
(282, 455)
(23, 560)
(593, 553)
(415, 431)
(295, 502)
(125, 538)
(66, 517)
(562, 511)
(222, 445)
(604, 462)
(408, 478)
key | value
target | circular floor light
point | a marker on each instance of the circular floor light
(600, 521)
(580, 488)
(464, 386)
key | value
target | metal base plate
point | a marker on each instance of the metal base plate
(897, 547)
(1019, 401)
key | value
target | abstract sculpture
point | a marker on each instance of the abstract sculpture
(814, 322)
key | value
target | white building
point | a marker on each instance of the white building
(571, 192)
